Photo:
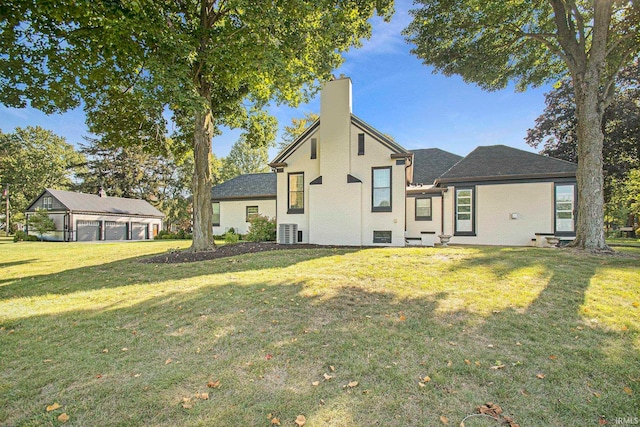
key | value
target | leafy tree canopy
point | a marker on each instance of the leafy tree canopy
(531, 43)
(32, 159)
(556, 128)
(205, 63)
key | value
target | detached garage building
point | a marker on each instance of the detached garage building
(87, 217)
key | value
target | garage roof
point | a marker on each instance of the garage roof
(82, 202)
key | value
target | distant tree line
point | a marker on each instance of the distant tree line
(34, 158)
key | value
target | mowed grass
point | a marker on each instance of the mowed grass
(550, 336)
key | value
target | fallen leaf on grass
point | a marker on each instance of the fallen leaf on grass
(426, 379)
(315, 383)
(166, 362)
(53, 407)
(628, 391)
(467, 361)
(540, 376)
(497, 367)
(275, 421)
(203, 396)
(352, 384)
(213, 384)
(602, 421)
(444, 420)
(553, 357)
(635, 304)
(301, 420)
(327, 377)
(63, 418)
(186, 403)
(268, 356)
(332, 368)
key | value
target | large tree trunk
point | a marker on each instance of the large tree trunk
(202, 210)
(590, 218)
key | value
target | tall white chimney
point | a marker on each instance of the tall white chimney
(335, 128)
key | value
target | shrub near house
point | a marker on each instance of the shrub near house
(261, 229)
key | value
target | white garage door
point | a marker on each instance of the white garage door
(88, 231)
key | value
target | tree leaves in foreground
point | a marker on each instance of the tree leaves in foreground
(205, 63)
(532, 43)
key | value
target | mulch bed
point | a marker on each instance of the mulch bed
(224, 251)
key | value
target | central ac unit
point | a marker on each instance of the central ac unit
(288, 234)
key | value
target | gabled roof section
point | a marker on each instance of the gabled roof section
(91, 203)
(498, 162)
(249, 186)
(286, 152)
(430, 163)
(383, 139)
(356, 121)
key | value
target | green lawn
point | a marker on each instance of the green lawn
(551, 337)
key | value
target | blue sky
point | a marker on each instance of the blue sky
(392, 91)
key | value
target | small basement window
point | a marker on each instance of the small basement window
(382, 237)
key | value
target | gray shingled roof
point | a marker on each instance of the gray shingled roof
(430, 163)
(499, 161)
(82, 202)
(253, 185)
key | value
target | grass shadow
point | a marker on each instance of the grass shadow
(269, 336)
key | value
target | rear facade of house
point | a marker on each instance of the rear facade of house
(342, 182)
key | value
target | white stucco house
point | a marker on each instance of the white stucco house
(90, 217)
(342, 182)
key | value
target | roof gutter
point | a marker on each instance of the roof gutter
(439, 181)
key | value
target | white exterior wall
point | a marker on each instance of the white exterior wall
(377, 155)
(234, 214)
(415, 228)
(532, 202)
(338, 212)
(299, 161)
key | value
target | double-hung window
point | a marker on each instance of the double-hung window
(423, 209)
(381, 189)
(296, 193)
